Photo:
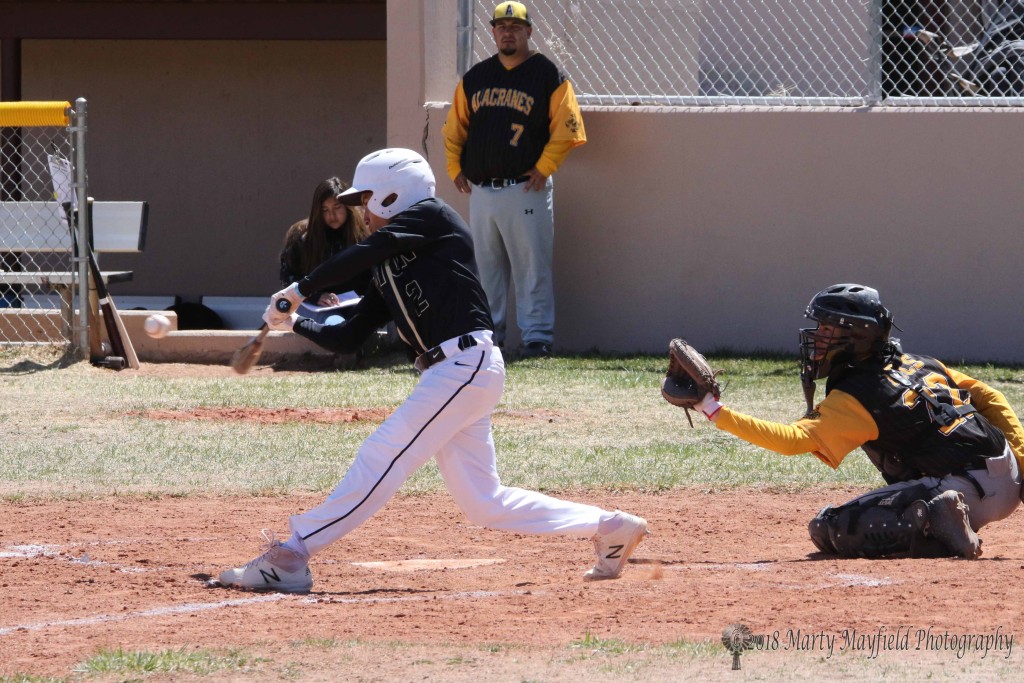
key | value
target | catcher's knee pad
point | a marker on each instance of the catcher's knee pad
(818, 528)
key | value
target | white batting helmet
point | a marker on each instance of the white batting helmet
(393, 171)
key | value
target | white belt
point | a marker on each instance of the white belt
(452, 347)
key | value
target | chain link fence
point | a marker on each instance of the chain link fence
(39, 274)
(775, 52)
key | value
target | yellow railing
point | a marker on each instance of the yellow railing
(14, 114)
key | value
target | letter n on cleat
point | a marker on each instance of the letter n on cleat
(271, 575)
(616, 552)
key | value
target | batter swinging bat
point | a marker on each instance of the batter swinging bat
(244, 358)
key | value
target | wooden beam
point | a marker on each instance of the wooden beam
(194, 21)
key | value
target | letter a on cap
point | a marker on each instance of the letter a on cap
(511, 10)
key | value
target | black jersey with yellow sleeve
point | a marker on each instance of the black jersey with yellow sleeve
(509, 122)
(926, 423)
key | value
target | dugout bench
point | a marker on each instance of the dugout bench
(38, 227)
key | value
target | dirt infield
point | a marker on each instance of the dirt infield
(81, 576)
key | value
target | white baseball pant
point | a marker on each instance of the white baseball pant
(448, 417)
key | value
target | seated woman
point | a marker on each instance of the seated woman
(330, 228)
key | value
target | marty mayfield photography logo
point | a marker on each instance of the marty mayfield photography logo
(738, 638)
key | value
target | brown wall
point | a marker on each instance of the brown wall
(720, 225)
(226, 140)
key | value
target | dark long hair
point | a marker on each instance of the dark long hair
(315, 247)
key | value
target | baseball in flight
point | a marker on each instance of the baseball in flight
(157, 326)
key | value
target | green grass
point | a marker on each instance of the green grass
(593, 645)
(588, 658)
(571, 422)
(27, 678)
(177, 661)
(319, 643)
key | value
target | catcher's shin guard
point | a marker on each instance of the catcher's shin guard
(877, 524)
(872, 532)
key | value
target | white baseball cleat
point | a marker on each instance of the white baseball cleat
(277, 569)
(615, 541)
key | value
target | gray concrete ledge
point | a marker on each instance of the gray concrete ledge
(217, 347)
(179, 346)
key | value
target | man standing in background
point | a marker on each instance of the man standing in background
(513, 120)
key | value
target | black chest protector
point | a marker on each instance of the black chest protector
(926, 423)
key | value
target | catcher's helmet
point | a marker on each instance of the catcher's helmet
(396, 178)
(856, 326)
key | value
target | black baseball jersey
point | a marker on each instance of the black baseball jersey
(509, 114)
(424, 279)
(292, 270)
(926, 425)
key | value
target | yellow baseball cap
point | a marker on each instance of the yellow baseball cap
(511, 10)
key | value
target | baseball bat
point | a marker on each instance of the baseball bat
(120, 343)
(244, 358)
(113, 335)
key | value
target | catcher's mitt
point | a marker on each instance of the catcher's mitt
(689, 377)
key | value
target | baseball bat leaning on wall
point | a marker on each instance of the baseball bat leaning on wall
(120, 343)
(244, 358)
(112, 318)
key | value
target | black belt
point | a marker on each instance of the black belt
(500, 183)
(439, 353)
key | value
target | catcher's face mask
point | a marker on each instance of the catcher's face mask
(821, 347)
(851, 325)
(826, 347)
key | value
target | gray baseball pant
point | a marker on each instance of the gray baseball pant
(513, 237)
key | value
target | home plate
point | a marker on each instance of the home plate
(417, 565)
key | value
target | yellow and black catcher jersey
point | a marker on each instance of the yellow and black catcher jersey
(926, 425)
(509, 116)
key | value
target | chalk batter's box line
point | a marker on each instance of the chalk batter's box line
(840, 580)
(206, 606)
(58, 552)
(55, 551)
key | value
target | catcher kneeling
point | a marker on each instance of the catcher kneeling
(949, 446)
